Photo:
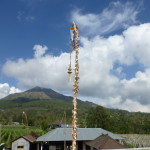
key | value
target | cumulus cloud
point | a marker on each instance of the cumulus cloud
(97, 58)
(116, 16)
(6, 89)
(128, 104)
(41, 70)
(39, 50)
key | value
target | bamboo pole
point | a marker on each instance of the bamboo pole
(75, 46)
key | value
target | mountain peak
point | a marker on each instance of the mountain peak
(49, 92)
(37, 93)
(40, 89)
(36, 88)
(40, 93)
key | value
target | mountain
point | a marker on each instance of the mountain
(44, 106)
(42, 103)
(39, 93)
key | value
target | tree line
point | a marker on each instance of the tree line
(117, 121)
(42, 113)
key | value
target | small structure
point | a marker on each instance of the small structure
(56, 124)
(26, 142)
(59, 124)
(104, 142)
(66, 126)
(61, 139)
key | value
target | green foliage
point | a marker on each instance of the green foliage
(130, 122)
(44, 106)
(98, 117)
(10, 133)
(47, 111)
(117, 121)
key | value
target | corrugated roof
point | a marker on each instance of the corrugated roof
(84, 134)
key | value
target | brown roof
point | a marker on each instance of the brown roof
(58, 122)
(30, 138)
(105, 142)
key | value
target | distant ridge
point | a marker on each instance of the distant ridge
(40, 93)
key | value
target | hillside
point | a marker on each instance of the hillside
(37, 93)
(43, 103)
(44, 106)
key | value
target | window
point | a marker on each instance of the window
(20, 147)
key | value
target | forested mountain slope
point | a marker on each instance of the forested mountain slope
(44, 106)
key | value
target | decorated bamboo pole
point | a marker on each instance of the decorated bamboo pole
(75, 47)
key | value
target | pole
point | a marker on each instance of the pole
(23, 113)
(75, 46)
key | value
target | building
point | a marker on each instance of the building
(56, 124)
(26, 142)
(104, 142)
(59, 124)
(61, 139)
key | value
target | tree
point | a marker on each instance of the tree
(98, 117)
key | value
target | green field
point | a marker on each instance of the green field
(10, 133)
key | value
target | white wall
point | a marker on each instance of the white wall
(21, 142)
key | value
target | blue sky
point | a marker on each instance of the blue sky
(26, 22)
(114, 44)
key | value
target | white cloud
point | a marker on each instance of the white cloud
(46, 71)
(128, 104)
(39, 50)
(97, 58)
(116, 16)
(6, 89)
